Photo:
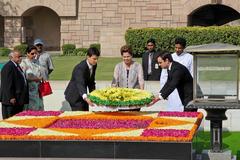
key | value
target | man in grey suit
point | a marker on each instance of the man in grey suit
(83, 77)
(178, 77)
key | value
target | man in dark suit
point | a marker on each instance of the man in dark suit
(14, 88)
(83, 77)
(151, 69)
(178, 77)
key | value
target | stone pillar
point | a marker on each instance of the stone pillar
(1, 31)
(12, 33)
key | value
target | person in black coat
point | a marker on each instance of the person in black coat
(178, 77)
(151, 69)
(14, 88)
(83, 77)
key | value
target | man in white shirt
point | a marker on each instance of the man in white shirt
(186, 59)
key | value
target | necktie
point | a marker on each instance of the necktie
(168, 71)
(19, 68)
(90, 70)
(21, 71)
(150, 63)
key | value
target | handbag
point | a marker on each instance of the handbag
(45, 88)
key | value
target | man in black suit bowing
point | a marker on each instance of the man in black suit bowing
(83, 77)
(178, 77)
(14, 88)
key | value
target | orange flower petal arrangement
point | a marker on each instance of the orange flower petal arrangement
(110, 126)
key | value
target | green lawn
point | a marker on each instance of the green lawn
(65, 64)
(231, 141)
(3, 59)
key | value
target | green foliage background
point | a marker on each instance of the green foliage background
(21, 48)
(165, 37)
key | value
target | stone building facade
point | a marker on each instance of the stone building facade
(83, 22)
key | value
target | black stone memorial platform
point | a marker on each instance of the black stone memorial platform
(97, 149)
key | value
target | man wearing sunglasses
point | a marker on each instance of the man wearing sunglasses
(44, 59)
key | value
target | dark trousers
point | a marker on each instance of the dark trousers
(152, 78)
(10, 110)
(190, 110)
(79, 106)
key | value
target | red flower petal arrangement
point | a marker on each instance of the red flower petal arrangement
(121, 126)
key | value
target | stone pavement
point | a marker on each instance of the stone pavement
(56, 101)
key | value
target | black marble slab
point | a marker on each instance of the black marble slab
(97, 149)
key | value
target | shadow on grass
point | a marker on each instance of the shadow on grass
(238, 155)
(202, 141)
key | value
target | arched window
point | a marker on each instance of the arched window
(212, 15)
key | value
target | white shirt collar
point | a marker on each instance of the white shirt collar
(14, 63)
(170, 66)
(180, 54)
(89, 65)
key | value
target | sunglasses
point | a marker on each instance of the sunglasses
(32, 53)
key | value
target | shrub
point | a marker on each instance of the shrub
(80, 51)
(4, 51)
(22, 48)
(165, 37)
(96, 45)
(68, 49)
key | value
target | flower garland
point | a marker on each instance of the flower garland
(120, 97)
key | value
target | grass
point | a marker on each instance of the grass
(231, 141)
(65, 64)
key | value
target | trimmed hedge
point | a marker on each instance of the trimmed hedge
(68, 49)
(22, 48)
(71, 50)
(165, 37)
(80, 52)
(96, 45)
(4, 51)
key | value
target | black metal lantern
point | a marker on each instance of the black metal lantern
(216, 83)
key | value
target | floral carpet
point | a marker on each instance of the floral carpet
(107, 126)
